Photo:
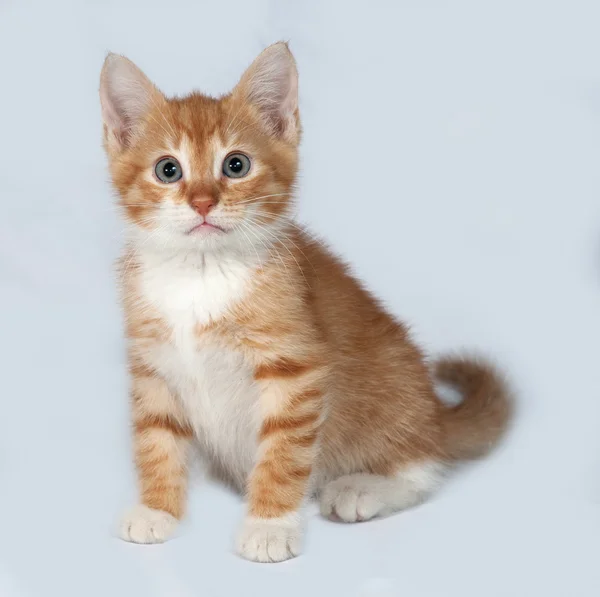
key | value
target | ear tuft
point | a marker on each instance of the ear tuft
(126, 95)
(270, 84)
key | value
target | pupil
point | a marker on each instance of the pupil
(235, 165)
(169, 169)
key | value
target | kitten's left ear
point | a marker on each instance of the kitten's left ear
(271, 86)
(126, 96)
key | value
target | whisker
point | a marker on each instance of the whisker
(164, 118)
(234, 118)
(286, 237)
(237, 131)
(248, 199)
(300, 228)
(250, 243)
(257, 235)
(135, 251)
(160, 125)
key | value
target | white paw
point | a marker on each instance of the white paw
(270, 540)
(351, 499)
(146, 525)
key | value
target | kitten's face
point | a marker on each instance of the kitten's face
(199, 172)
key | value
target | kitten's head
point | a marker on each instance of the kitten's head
(200, 172)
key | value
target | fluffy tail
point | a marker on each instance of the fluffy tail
(476, 425)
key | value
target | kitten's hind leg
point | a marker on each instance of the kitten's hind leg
(362, 496)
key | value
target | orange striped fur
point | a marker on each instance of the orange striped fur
(251, 339)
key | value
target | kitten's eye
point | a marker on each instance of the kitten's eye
(168, 170)
(236, 165)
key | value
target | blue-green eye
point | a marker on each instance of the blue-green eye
(168, 170)
(236, 165)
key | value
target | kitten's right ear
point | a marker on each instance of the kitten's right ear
(126, 95)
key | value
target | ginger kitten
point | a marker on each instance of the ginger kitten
(250, 339)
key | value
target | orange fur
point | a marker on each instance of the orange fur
(342, 388)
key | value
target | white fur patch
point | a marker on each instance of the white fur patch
(146, 525)
(359, 497)
(213, 382)
(193, 288)
(270, 539)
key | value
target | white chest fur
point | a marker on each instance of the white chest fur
(212, 381)
(192, 288)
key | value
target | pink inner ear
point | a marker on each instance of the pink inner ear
(114, 121)
(126, 95)
(271, 84)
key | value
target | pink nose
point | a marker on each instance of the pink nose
(202, 205)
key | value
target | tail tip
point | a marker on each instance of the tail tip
(476, 425)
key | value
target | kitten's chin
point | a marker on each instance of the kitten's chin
(168, 240)
(209, 239)
(206, 229)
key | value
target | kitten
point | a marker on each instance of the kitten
(251, 339)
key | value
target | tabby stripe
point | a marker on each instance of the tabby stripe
(303, 441)
(140, 369)
(281, 368)
(280, 424)
(277, 491)
(273, 474)
(165, 422)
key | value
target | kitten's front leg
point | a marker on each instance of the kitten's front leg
(292, 407)
(161, 442)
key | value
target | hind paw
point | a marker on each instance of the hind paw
(350, 499)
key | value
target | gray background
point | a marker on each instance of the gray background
(451, 154)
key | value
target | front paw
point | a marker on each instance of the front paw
(146, 525)
(270, 539)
